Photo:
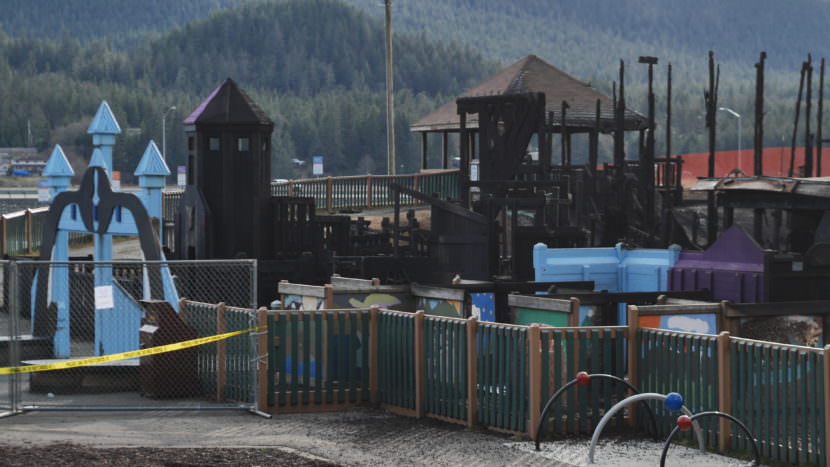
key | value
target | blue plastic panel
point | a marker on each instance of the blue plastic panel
(613, 269)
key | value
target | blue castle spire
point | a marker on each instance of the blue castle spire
(104, 128)
(151, 163)
(104, 122)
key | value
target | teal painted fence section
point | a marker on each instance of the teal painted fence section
(241, 355)
(202, 317)
(396, 359)
(567, 351)
(682, 363)
(319, 358)
(778, 391)
(445, 367)
(502, 389)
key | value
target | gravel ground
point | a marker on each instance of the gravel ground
(60, 455)
(356, 437)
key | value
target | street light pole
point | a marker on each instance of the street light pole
(390, 96)
(164, 132)
(738, 116)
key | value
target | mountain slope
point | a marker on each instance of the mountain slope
(122, 21)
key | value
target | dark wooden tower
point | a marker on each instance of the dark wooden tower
(229, 171)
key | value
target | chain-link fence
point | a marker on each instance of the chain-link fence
(57, 312)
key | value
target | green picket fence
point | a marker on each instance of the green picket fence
(683, 363)
(321, 359)
(565, 352)
(502, 369)
(396, 360)
(778, 391)
(445, 367)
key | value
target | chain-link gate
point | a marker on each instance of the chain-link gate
(56, 312)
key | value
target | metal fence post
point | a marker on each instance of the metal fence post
(534, 348)
(14, 332)
(633, 354)
(254, 284)
(373, 353)
(472, 372)
(369, 191)
(724, 390)
(420, 393)
(221, 353)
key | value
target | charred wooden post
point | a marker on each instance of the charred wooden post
(795, 121)
(593, 142)
(464, 163)
(619, 131)
(668, 113)
(619, 150)
(711, 98)
(672, 173)
(566, 153)
(808, 145)
(445, 158)
(647, 157)
(819, 119)
(759, 116)
(424, 141)
(758, 214)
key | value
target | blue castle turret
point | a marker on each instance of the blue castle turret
(152, 174)
(104, 128)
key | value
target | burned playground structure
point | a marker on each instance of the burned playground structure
(537, 262)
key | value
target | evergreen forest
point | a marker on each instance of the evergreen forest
(317, 66)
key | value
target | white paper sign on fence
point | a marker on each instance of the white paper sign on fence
(103, 297)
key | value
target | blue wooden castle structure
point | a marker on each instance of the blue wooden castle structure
(96, 209)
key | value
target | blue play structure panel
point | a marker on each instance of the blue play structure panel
(613, 269)
(484, 306)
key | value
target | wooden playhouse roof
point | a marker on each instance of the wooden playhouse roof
(532, 74)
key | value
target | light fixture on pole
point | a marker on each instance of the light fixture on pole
(164, 132)
(738, 116)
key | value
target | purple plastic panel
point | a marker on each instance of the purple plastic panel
(732, 268)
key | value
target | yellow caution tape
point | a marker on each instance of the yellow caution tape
(123, 355)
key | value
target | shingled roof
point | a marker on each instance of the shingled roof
(228, 104)
(532, 74)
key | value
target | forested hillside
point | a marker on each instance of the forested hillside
(588, 38)
(317, 65)
(323, 86)
(120, 21)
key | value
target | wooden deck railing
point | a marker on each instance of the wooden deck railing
(352, 192)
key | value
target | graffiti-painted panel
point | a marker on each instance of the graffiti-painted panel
(439, 307)
(484, 306)
(392, 301)
(699, 323)
(297, 302)
(525, 317)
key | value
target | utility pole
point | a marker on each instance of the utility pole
(390, 100)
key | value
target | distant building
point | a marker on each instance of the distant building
(20, 161)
